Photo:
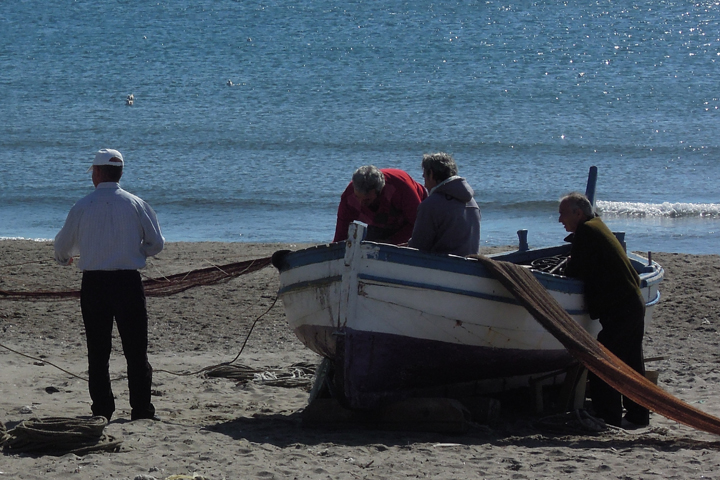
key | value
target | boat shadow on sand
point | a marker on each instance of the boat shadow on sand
(282, 431)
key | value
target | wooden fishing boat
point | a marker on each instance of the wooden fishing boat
(392, 319)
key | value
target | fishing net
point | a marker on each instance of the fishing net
(165, 286)
(546, 310)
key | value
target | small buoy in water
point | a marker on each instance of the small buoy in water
(130, 99)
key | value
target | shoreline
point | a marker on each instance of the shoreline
(494, 242)
(223, 428)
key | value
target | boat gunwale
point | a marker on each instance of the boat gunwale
(455, 264)
(295, 287)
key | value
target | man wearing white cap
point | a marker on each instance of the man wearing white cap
(114, 232)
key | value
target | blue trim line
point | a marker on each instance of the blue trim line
(316, 254)
(452, 264)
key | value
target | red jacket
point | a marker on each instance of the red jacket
(392, 218)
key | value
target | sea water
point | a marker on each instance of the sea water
(249, 117)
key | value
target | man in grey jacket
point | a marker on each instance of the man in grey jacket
(448, 220)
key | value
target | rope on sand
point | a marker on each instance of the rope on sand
(161, 287)
(4, 437)
(184, 477)
(41, 360)
(59, 436)
(297, 375)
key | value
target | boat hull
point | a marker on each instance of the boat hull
(392, 319)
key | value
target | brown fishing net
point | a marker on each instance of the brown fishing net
(546, 310)
(165, 286)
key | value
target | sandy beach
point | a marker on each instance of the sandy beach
(225, 428)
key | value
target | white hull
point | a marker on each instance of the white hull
(428, 319)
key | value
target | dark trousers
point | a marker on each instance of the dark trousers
(622, 333)
(118, 295)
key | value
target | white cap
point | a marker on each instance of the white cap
(107, 156)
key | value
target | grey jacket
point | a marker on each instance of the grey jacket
(448, 221)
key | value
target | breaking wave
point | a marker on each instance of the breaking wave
(665, 209)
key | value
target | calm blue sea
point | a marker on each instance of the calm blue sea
(250, 117)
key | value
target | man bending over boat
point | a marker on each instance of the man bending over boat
(448, 221)
(612, 294)
(387, 200)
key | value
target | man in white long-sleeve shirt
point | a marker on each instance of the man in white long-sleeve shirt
(114, 232)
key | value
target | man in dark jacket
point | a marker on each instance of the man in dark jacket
(448, 221)
(612, 295)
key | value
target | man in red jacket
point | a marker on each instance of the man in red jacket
(387, 200)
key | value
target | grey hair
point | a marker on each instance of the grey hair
(368, 178)
(578, 201)
(441, 164)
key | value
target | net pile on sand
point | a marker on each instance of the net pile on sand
(161, 287)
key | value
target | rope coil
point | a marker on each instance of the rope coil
(59, 436)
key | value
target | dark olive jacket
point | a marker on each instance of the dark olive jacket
(599, 260)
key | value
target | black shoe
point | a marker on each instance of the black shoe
(148, 412)
(146, 417)
(632, 422)
(614, 423)
(613, 420)
(628, 425)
